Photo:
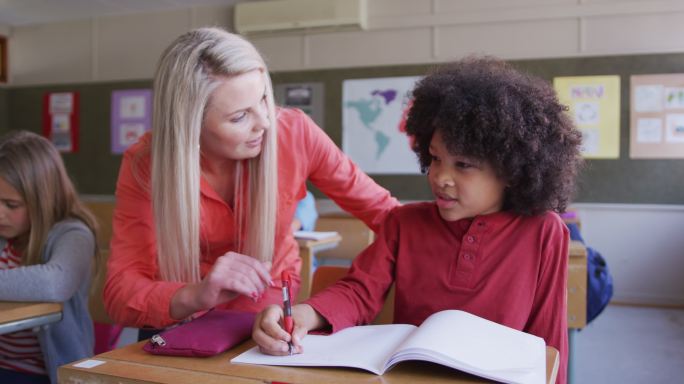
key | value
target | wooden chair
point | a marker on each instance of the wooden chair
(95, 301)
(356, 236)
(327, 275)
(107, 332)
(103, 210)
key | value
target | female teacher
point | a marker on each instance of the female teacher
(204, 204)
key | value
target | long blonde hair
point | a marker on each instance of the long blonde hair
(188, 72)
(32, 166)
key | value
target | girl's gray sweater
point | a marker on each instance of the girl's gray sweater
(64, 277)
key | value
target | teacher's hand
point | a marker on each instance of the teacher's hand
(231, 275)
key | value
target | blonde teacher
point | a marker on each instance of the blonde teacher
(204, 204)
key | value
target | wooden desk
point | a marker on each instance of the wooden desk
(577, 299)
(577, 285)
(17, 316)
(132, 365)
(307, 250)
(356, 234)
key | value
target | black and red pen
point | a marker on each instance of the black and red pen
(287, 307)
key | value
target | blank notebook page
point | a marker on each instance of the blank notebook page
(366, 347)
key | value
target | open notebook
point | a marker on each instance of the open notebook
(452, 338)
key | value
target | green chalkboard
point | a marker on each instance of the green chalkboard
(95, 169)
(602, 181)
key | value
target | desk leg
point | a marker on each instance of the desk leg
(572, 346)
(306, 253)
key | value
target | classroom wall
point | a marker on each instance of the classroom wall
(644, 248)
(400, 32)
(25, 107)
(409, 32)
(622, 180)
(98, 55)
(110, 48)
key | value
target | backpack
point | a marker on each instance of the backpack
(599, 284)
(599, 279)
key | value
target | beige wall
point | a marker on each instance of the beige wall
(400, 32)
(102, 49)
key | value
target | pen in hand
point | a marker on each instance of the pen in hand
(287, 308)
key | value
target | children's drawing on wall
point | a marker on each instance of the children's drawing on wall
(372, 111)
(594, 103)
(674, 98)
(657, 116)
(675, 128)
(131, 117)
(60, 120)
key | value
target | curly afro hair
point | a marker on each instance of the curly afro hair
(487, 110)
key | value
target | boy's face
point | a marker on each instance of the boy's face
(463, 187)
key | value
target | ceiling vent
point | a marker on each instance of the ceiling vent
(298, 15)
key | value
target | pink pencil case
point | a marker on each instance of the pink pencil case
(212, 333)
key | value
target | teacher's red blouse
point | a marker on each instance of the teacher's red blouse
(134, 294)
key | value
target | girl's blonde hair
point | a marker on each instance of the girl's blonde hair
(188, 72)
(32, 166)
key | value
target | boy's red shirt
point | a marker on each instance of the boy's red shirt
(507, 268)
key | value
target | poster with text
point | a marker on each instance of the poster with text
(131, 117)
(60, 120)
(594, 103)
(656, 116)
(372, 111)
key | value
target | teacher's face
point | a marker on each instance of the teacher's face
(236, 118)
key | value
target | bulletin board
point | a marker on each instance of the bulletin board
(657, 117)
(602, 180)
(594, 103)
(61, 120)
(622, 180)
(131, 117)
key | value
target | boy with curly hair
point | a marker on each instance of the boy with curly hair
(501, 157)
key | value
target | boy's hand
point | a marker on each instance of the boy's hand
(272, 338)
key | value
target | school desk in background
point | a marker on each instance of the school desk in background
(17, 316)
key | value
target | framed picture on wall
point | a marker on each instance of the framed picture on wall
(3, 59)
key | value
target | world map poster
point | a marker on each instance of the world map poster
(372, 129)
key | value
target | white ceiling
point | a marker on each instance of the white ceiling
(27, 12)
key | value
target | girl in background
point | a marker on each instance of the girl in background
(47, 254)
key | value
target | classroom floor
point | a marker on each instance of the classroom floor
(623, 345)
(632, 345)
